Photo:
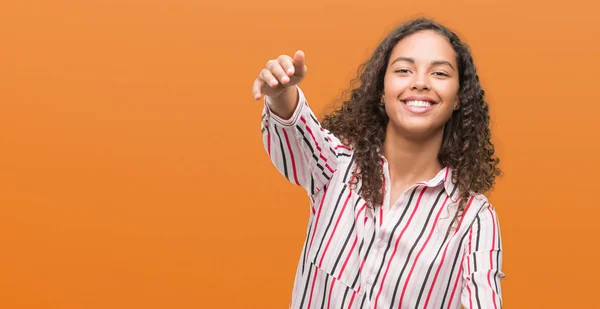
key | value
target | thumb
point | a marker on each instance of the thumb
(299, 61)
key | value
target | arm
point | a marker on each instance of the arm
(482, 265)
(301, 150)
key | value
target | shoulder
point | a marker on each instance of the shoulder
(480, 208)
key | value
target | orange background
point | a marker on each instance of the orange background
(132, 173)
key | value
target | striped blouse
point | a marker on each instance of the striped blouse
(399, 255)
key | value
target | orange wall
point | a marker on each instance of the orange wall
(132, 173)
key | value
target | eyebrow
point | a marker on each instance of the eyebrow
(411, 60)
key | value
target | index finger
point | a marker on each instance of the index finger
(299, 62)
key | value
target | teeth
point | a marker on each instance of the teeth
(418, 103)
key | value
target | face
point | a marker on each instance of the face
(421, 85)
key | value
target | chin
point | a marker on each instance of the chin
(416, 129)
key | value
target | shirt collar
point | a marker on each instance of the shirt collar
(449, 185)
(443, 176)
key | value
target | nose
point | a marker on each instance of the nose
(420, 82)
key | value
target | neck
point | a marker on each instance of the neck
(411, 160)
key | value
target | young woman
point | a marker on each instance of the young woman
(396, 177)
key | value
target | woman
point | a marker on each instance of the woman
(396, 177)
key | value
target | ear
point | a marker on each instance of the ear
(456, 103)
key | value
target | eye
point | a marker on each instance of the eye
(441, 74)
(402, 71)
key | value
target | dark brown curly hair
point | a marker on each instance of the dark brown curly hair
(360, 122)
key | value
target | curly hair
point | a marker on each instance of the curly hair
(360, 122)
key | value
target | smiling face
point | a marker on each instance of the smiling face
(421, 84)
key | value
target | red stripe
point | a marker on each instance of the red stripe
(383, 191)
(446, 176)
(330, 289)
(396, 246)
(360, 210)
(436, 275)
(342, 146)
(312, 288)
(421, 251)
(470, 298)
(468, 256)
(443, 258)
(348, 256)
(491, 259)
(322, 157)
(318, 216)
(465, 211)
(342, 270)
(329, 168)
(311, 133)
(352, 299)
(334, 228)
(291, 156)
(455, 285)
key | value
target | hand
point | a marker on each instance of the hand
(279, 74)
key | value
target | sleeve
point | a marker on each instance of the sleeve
(301, 150)
(482, 265)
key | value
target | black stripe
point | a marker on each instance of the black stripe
(333, 151)
(475, 263)
(344, 246)
(314, 119)
(344, 155)
(430, 268)
(363, 302)
(454, 187)
(410, 252)
(348, 169)
(325, 292)
(306, 286)
(387, 249)
(282, 154)
(454, 264)
(337, 204)
(362, 242)
(344, 299)
(305, 139)
(498, 259)
(453, 190)
(313, 153)
(312, 185)
(365, 257)
(306, 246)
(321, 167)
